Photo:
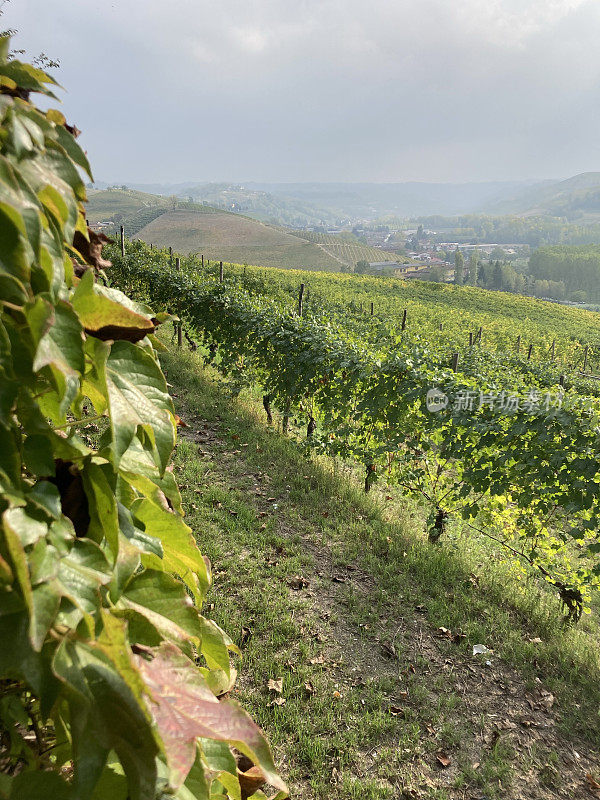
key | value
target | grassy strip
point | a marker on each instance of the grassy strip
(339, 595)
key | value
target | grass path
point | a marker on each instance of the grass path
(366, 631)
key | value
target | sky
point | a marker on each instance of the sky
(325, 90)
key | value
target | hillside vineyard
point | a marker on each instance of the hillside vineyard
(503, 440)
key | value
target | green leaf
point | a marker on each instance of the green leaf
(138, 398)
(39, 786)
(107, 313)
(163, 601)
(181, 553)
(38, 455)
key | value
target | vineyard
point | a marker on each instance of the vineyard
(512, 451)
(344, 249)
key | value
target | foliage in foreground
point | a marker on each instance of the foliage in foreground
(113, 684)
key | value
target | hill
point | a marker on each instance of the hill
(312, 203)
(109, 204)
(195, 227)
(577, 197)
(220, 235)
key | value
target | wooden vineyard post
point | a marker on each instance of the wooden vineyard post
(179, 330)
(552, 352)
(529, 352)
(171, 256)
(479, 334)
(202, 257)
(470, 338)
(151, 246)
(562, 381)
(441, 326)
(300, 299)
(285, 422)
(371, 308)
(518, 343)
(404, 320)
(454, 362)
(585, 358)
(220, 272)
(122, 241)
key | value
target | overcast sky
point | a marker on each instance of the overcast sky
(342, 90)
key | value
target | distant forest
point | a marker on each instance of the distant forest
(533, 231)
(578, 268)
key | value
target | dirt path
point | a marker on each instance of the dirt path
(482, 731)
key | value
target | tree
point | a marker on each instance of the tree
(362, 267)
(437, 274)
(473, 262)
(41, 61)
(459, 267)
(497, 276)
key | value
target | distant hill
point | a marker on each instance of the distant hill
(577, 198)
(313, 203)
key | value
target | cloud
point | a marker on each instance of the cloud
(326, 89)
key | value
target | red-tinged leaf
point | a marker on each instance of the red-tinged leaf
(184, 708)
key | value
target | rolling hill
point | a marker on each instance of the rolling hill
(577, 197)
(223, 235)
(109, 204)
(220, 235)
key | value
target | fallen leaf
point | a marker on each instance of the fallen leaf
(277, 701)
(317, 660)
(297, 582)
(396, 711)
(443, 758)
(593, 784)
(275, 685)
(246, 635)
(309, 688)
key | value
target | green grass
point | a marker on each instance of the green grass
(372, 689)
